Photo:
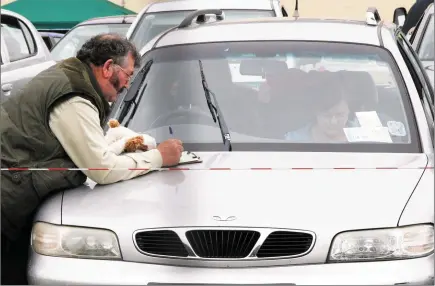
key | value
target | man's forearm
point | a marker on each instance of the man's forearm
(124, 165)
(76, 125)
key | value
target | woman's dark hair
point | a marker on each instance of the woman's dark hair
(100, 48)
(327, 89)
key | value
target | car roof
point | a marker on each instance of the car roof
(51, 34)
(269, 29)
(180, 5)
(118, 19)
(431, 8)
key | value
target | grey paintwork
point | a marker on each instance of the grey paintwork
(192, 198)
(323, 201)
(272, 29)
(53, 271)
(15, 74)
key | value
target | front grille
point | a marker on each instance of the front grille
(222, 243)
(161, 242)
(285, 243)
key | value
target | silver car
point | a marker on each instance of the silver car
(159, 16)
(317, 164)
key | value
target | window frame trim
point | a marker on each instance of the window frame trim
(23, 25)
(19, 21)
(427, 90)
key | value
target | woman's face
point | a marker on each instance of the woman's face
(332, 121)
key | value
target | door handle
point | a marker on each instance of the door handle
(7, 88)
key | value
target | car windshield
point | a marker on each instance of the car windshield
(152, 24)
(426, 50)
(69, 45)
(275, 96)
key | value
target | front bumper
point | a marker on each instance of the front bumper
(55, 270)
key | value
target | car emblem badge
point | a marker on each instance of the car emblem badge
(218, 218)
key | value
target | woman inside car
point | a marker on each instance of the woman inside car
(331, 110)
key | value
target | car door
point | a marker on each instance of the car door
(20, 48)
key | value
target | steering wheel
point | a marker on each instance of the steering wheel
(193, 112)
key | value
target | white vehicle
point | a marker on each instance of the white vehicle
(23, 53)
(159, 16)
(329, 182)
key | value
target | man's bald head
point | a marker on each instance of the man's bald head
(109, 37)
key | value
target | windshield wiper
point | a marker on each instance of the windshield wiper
(430, 67)
(134, 90)
(215, 111)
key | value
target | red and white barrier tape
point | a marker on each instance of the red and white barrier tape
(215, 169)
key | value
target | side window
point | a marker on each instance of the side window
(420, 78)
(18, 38)
(425, 46)
(415, 29)
(47, 41)
(30, 41)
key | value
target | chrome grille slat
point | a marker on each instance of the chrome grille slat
(218, 243)
(285, 243)
(161, 242)
(223, 243)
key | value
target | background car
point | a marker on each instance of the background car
(157, 17)
(422, 38)
(51, 38)
(276, 198)
(77, 36)
(23, 53)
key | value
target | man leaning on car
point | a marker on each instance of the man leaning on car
(56, 121)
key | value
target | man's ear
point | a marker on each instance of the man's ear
(108, 68)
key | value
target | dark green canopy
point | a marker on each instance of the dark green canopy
(64, 14)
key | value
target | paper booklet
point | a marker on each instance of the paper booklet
(189, 158)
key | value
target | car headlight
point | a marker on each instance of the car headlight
(75, 242)
(383, 244)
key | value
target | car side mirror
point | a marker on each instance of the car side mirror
(284, 12)
(399, 16)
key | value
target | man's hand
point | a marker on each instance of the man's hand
(171, 152)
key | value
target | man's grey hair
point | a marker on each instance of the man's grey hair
(100, 48)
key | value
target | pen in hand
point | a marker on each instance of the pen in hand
(171, 132)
